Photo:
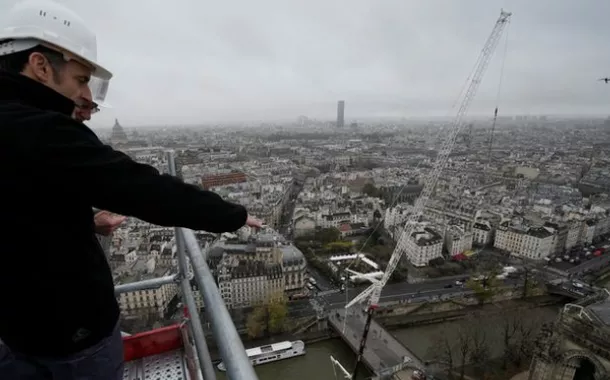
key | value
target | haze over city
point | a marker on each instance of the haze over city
(301, 190)
(190, 62)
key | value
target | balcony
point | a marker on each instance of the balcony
(180, 351)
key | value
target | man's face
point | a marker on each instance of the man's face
(69, 78)
(85, 107)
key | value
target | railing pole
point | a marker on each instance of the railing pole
(152, 283)
(231, 348)
(203, 353)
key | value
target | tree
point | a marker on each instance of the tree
(328, 235)
(508, 329)
(485, 289)
(277, 313)
(269, 318)
(441, 352)
(479, 352)
(459, 347)
(526, 338)
(255, 323)
(464, 348)
(339, 247)
(519, 329)
(529, 283)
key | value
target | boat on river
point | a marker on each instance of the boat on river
(272, 353)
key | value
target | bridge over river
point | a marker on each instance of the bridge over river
(383, 353)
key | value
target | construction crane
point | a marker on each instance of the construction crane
(373, 292)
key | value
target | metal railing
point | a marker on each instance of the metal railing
(152, 283)
(229, 343)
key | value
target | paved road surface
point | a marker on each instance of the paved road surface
(592, 264)
(322, 282)
(406, 291)
(382, 350)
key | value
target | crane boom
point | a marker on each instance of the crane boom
(373, 292)
(443, 155)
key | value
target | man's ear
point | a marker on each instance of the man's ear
(39, 67)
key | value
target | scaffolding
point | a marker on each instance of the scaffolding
(180, 351)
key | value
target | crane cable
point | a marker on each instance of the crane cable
(495, 119)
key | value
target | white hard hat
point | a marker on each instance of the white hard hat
(99, 89)
(32, 22)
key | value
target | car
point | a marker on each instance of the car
(448, 286)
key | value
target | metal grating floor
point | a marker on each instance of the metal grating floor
(167, 366)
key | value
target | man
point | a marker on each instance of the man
(59, 315)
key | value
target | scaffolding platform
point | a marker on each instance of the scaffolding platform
(162, 354)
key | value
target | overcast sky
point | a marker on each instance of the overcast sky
(197, 61)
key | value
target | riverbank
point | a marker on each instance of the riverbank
(397, 323)
(414, 317)
(456, 311)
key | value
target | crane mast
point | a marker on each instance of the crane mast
(373, 292)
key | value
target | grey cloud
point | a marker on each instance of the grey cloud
(190, 61)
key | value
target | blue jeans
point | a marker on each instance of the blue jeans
(102, 361)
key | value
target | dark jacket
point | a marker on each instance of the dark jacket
(56, 289)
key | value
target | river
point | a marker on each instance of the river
(316, 364)
(421, 339)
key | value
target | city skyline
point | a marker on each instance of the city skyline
(274, 61)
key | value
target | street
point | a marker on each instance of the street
(322, 282)
(441, 289)
(410, 292)
(592, 264)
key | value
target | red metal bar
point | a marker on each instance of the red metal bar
(152, 342)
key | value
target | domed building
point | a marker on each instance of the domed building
(118, 136)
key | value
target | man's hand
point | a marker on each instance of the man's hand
(253, 222)
(106, 222)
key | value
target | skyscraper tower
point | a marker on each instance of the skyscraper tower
(340, 113)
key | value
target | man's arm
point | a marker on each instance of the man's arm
(76, 160)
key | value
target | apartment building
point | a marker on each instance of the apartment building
(424, 245)
(246, 283)
(150, 302)
(223, 179)
(560, 237)
(252, 269)
(482, 233)
(574, 232)
(528, 242)
(458, 240)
